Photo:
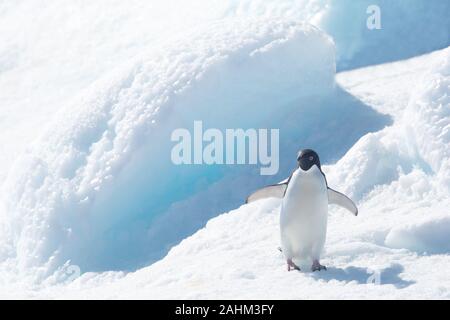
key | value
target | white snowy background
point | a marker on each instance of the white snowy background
(92, 207)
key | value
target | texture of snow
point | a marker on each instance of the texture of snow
(91, 92)
(401, 234)
(398, 243)
(93, 185)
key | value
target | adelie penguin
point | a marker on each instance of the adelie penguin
(304, 210)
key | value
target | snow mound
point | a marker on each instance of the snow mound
(406, 163)
(92, 186)
(429, 237)
(419, 139)
(386, 252)
(427, 122)
(98, 190)
(50, 53)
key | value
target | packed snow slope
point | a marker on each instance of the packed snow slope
(90, 93)
(398, 246)
(99, 188)
(92, 187)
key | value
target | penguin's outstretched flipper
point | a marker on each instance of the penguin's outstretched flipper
(272, 191)
(340, 199)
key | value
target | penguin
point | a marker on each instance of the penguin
(304, 210)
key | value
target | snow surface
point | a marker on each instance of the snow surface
(93, 185)
(401, 234)
(90, 93)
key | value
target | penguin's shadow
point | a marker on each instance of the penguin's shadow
(389, 275)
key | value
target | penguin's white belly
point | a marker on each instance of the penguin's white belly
(303, 218)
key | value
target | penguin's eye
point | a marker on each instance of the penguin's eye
(311, 158)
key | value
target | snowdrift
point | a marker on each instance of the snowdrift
(98, 88)
(396, 248)
(99, 188)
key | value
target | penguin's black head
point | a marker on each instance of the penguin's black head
(307, 158)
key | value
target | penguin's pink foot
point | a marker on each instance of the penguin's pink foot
(316, 266)
(292, 265)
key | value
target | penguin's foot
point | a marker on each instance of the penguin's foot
(292, 265)
(316, 266)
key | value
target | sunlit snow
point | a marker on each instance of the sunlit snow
(90, 93)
